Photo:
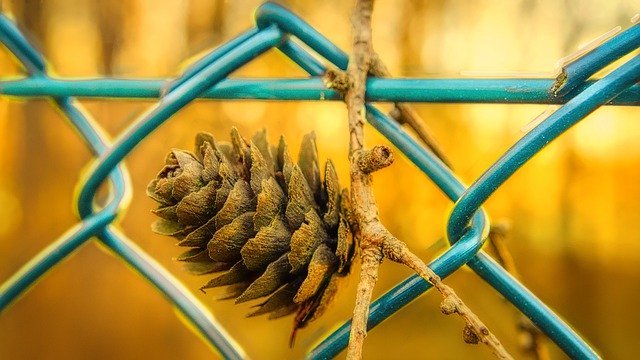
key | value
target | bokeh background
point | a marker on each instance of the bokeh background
(574, 209)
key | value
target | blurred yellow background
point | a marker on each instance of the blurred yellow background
(574, 209)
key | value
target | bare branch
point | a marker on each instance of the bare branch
(357, 71)
(374, 239)
(404, 113)
(397, 251)
(364, 206)
(371, 259)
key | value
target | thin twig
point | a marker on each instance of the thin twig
(497, 240)
(371, 259)
(475, 330)
(404, 113)
(364, 206)
(375, 159)
(374, 239)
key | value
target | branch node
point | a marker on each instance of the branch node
(469, 335)
(484, 330)
(337, 80)
(394, 249)
(449, 305)
(379, 157)
(396, 114)
(375, 240)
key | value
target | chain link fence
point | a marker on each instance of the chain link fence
(278, 28)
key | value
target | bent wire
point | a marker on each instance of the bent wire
(174, 101)
(35, 65)
(463, 248)
(206, 78)
(576, 72)
(98, 224)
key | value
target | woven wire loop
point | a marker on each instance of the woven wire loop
(279, 28)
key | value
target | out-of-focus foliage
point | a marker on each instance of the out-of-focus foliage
(573, 209)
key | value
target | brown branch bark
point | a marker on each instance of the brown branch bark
(371, 259)
(475, 330)
(374, 239)
(403, 113)
(364, 207)
(375, 159)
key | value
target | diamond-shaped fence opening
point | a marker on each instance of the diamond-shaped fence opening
(278, 28)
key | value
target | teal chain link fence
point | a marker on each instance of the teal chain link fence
(278, 28)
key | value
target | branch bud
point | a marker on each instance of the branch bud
(375, 159)
(448, 305)
(469, 335)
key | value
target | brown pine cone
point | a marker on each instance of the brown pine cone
(274, 228)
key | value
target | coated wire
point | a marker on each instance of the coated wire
(467, 224)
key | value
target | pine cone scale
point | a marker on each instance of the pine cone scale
(238, 273)
(227, 242)
(270, 203)
(305, 240)
(195, 208)
(268, 245)
(300, 200)
(308, 164)
(321, 267)
(276, 275)
(239, 201)
(200, 236)
(167, 213)
(166, 227)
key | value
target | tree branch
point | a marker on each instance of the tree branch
(475, 330)
(371, 259)
(374, 239)
(404, 113)
(364, 208)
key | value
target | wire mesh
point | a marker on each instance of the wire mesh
(276, 27)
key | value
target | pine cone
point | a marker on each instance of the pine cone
(274, 228)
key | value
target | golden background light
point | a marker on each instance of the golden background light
(574, 209)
